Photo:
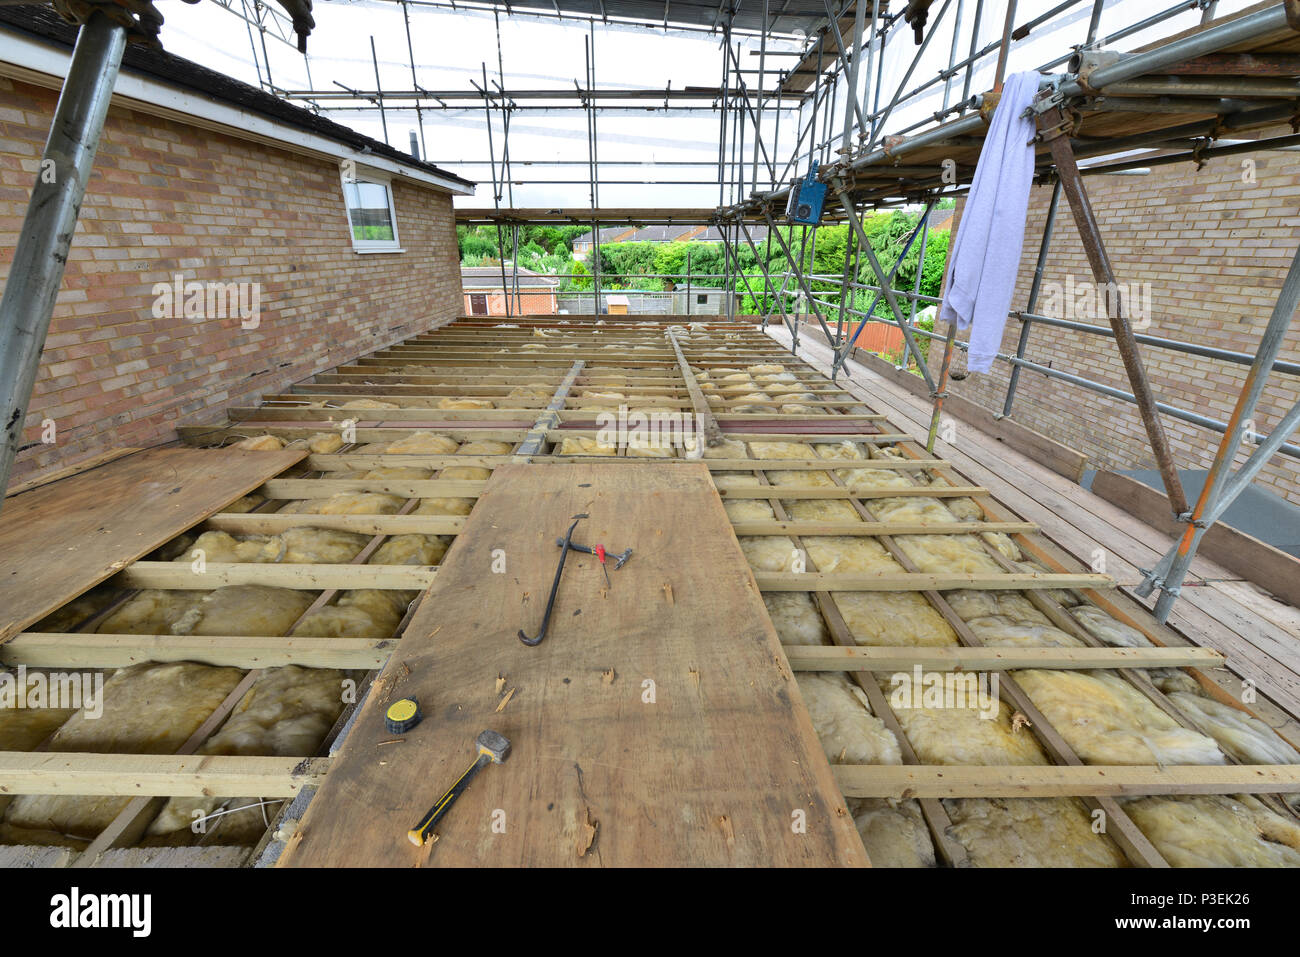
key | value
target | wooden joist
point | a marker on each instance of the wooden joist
(817, 491)
(219, 574)
(866, 658)
(878, 528)
(923, 581)
(258, 523)
(1042, 781)
(81, 773)
(406, 488)
(78, 650)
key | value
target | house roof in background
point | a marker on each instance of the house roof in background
(489, 277)
(40, 21)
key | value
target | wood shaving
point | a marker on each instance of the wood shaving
(505, 701)
(608, 676)
(586, 832)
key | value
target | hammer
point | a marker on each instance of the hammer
(600, 552)
(492, 747)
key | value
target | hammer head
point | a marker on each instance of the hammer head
(621, 560)
(494, 745)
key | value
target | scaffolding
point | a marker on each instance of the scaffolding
(804, 81)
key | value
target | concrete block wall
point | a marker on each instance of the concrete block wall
(168, 198)
(1212, 248)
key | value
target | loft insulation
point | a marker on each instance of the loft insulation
(893, 618)
(1216, 830)
(849, 732)
(796, 618)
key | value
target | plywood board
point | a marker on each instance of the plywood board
(657, 724)
(62, 539)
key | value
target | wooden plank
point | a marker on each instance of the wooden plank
(703, 413)
(923, 581)
(219, 574)
(949, 781)
(63, 539)
(1269, 567)
(709, 771)
(162, 775)
(988, 658)
(78, 650)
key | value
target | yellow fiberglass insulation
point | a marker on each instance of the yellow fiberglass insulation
(1002, 632)
(464, 402)
(287, 712)
(653, 447)
(427, 443)
(726, 449)
(223, 547)
(306, 546)
(345, 621)
(768, 369)
(259, 443)
(962, 735)
(821, 510)
(969, 603)
(1105, 628)
(872, 478)
(735, 480)
(412, 549)
(910, 510)
(748, 510)
(794, 408)
(948, 554)
(1216, 830)
(781, 450)
(368, 404)
(893, 618)
(484, 447)
(775, 389)
(768, 553)
(244, 610)
(147, 709)
(809, 478)
(1108, 721)
(1030, 832)
(245, 504)
(1170, 680)
(887, 452)
(1062, 596)
(893, 832)
(583, 445)
(965, 509)
(150, 612)
(847, 554)
(444, 506)
(796, 618)
(23, 729)
(465, 473)
(848, 731)
(839, 450)
(346, 503)
(1241, 735)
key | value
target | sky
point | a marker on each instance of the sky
(453, 48)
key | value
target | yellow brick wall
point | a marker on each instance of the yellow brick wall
(1214, 250)
(168, 198)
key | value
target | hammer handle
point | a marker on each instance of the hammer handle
(419, 835)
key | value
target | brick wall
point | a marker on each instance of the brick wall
(169, 198)
(1214, 251)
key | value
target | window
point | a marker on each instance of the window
(371, 216)
(702, 299)
(478, 304)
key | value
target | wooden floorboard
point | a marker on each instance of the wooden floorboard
(722, 767)
(64, 538)
(1259, 646)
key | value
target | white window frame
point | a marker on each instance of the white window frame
(369, 174)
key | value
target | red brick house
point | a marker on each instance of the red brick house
(314, 243)
(485, 294)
